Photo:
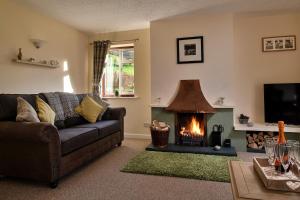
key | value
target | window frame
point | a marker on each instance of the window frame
(120, 48)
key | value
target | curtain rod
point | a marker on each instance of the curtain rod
(121, 41)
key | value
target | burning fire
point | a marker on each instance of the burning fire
(194, 128)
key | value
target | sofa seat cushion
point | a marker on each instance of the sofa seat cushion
(75, 138)
(105, 127)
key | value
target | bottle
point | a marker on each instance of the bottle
(20, 54)
(281, 140)
(281, 136)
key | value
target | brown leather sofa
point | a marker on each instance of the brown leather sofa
(43, 152)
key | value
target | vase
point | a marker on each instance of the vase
(20, 54)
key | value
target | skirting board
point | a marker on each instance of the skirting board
(137, 136)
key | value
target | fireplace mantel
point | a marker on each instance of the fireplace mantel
(214, 106)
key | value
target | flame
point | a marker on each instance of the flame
(195, 127)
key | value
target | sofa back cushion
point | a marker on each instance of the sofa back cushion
(8, 105)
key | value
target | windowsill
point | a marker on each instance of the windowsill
(134, 97)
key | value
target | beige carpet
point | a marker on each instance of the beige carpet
(102, 179)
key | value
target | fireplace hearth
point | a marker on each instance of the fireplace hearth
(191, 109)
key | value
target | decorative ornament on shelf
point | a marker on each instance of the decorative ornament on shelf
(31, 59)
(243, 119)
(20, 55)
(220, 101)
(53, 62)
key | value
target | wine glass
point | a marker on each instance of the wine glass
(269, 145)
(296, 152)
(291, 154)
(284, 155)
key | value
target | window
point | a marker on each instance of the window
(118, 74)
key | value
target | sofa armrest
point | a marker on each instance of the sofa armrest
(28, 131)
(29, 150)
(114, 113)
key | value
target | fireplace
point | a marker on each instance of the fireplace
(190, 129)
(191, 110)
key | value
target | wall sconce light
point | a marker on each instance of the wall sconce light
(38, 43)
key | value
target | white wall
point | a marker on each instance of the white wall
(138, 109)
(215, 73)
(17, 25)
(234, 66)
(253, 67)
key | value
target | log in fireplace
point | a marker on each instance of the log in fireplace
(191, 110)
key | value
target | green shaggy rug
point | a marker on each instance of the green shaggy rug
(186, 165)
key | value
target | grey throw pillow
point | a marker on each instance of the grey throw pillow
(25, 112)
(69, 103)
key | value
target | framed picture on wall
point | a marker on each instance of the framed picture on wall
(279, 43)
(190, 50)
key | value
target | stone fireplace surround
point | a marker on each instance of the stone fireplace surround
(223, 115)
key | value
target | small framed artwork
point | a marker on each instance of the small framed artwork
(190, 50)
(279, 43)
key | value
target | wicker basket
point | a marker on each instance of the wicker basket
(159, 138)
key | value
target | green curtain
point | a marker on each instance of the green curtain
(100, 51)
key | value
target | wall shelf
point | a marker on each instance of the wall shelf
(214, 106)
(120, 97)
(266, 127)
(34, 63)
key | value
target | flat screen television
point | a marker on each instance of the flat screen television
(282, 102)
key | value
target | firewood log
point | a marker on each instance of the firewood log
(250, 139)
(253, 145)
(261, 138)
(254, 135)
(271, 134)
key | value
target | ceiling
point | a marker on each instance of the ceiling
(96, 16)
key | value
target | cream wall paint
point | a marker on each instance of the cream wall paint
(18, 24)
(253, 68)
(138, 109)
(234, 65)
(215, 73)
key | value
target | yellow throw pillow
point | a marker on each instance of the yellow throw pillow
(89, 109)
(45, 113)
